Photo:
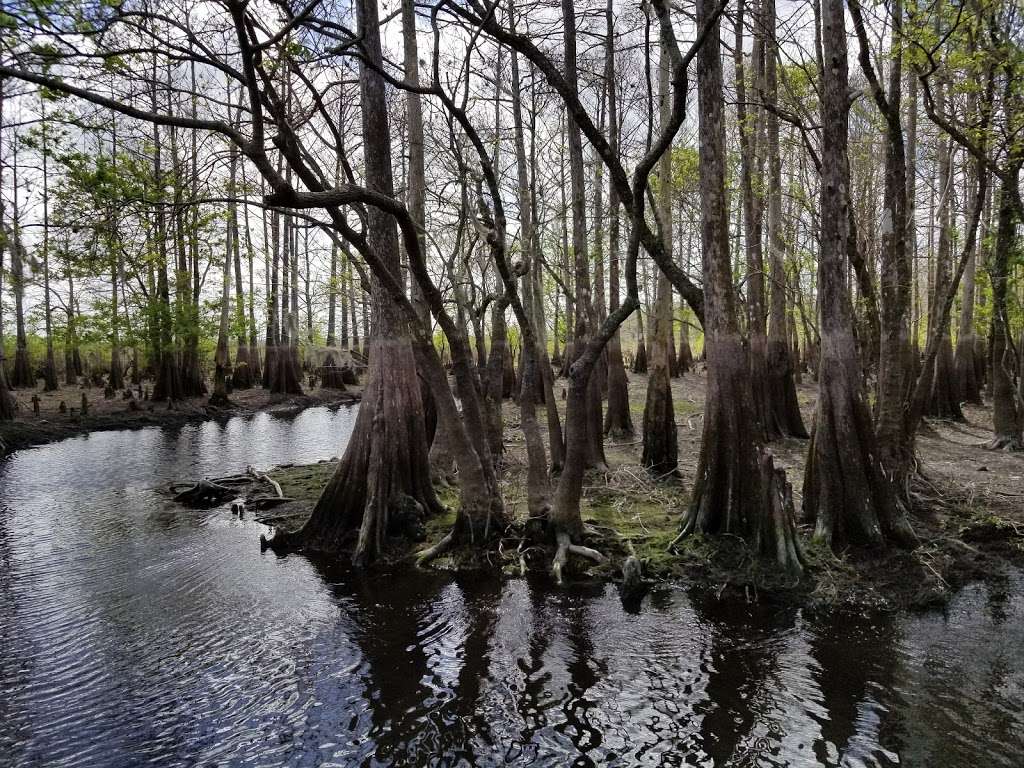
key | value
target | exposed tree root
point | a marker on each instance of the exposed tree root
(566, 548)
(1008, 443)
(432, 553)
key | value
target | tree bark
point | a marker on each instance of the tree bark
(943, 401)
(660, 441)
(968, 385)
(386, 460)
(845, 491)
(585, 317)
(22, 376)
(618, 421)
(1006, 415)
(783, 412)
(750, 127)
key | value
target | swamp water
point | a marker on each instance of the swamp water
(134, 632)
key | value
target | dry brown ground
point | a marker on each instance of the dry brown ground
(952, 454)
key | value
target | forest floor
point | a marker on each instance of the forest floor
(969, 515)
(50, 425)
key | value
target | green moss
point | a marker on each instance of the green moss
(650, 526)
(304, 483)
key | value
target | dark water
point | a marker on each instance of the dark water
(133, 632)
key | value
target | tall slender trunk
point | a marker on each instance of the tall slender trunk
(968, 383)
(895, 375)
(845, 491)
(116, 380)
(618, 421)
(168, 385)
(385, 466)
(242, 373)
(750, 127)
(783, 407)
(222, 356)
(943, 401)
(585, 317)
(255, 374)
(738, 490)
(22, 375)
(1006, 413)
(7, 402)
(660, 441)
(50, 383)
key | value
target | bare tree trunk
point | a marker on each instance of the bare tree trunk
(618, 421)
(1006, 416)
(895, 377)
(272, 244)
(22, 375)
(943, 401)
(241, 374)
(726, 493)
(968, 384)
(168, 385)
(845, 491)
(385, 465)
(255, 372)
(7, 402)
(660, 441)
(222, 357)
(640, 355)
(116, 380)
(585, 317)
(50, 383)
(750, 128)
(738, 490)
(783, 407)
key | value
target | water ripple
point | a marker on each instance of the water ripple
(133, 632)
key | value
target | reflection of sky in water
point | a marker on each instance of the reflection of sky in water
(132, 630)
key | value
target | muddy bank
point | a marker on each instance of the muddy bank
(969, 517)
(50, 425)
(628, 514)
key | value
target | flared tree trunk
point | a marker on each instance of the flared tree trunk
(168, 379)
(255, 370)
(737, 490)
(585, 315)
(846, 493)
(385, 467)
(783, 408)
(222, 356)
(660, 441)
(640, 355)
(241, 374)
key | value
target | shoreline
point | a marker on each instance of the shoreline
(960, 545)
(28, 431)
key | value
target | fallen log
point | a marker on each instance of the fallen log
(267, 502)
(206, 493)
